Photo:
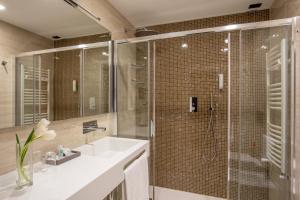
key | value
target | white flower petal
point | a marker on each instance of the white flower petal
(49, 135)
(44, 122)
(40, 130)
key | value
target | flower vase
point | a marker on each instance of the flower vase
(24, 166)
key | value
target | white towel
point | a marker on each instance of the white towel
(137, 179)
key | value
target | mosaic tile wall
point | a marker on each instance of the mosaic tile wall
(184, 148)
(182, 140)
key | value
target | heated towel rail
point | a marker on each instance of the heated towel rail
(35, 94)
(277, 88)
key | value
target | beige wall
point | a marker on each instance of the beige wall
(14, 40)
(111, 18)
(285, 8)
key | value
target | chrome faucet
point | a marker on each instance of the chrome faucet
(90, 126)
(89, 129)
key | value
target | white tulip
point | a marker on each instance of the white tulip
(49, 135)
(43, 132)
(44, 122)
(40, 130)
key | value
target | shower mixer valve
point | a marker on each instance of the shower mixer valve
(193, 104)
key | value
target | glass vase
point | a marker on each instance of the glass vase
(24, 166)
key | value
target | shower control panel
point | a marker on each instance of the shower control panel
(193, 104)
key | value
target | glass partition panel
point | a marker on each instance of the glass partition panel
(133, 90)
(96, 81)
(264, 115)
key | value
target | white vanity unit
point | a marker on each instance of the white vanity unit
(91, 176)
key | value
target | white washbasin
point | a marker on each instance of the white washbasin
(108, 147)
(91, 176)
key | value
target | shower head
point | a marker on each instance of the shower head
(141, 32)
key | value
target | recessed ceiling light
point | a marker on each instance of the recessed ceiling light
(264, 47)
(105, 53)
(2, 7)
(184, 45)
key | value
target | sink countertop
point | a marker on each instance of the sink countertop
(86, 177)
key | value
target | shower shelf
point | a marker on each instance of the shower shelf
(277, 61)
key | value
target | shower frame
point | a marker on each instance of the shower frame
(294, 22)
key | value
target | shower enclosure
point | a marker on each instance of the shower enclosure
(238, 145)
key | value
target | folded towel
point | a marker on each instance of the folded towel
(137, 179)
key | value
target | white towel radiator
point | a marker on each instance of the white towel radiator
(35, 95)
(277, 90)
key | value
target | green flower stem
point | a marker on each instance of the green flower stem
(22, 154)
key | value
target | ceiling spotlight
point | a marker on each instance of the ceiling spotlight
(184, 45)
(145, 58)
(2, 7)
(264, 47)
(226, 41)
(104, 53)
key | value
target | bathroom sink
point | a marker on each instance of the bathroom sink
(108, 147)
(93, 175)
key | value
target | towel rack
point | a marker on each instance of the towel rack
(34, 95)
(134, 159)
(277, 61)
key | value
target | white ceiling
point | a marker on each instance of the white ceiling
(49, 18)
(152, 12)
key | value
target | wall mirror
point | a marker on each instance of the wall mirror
(54, 63)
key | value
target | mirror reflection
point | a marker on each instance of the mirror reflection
(48, 67)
